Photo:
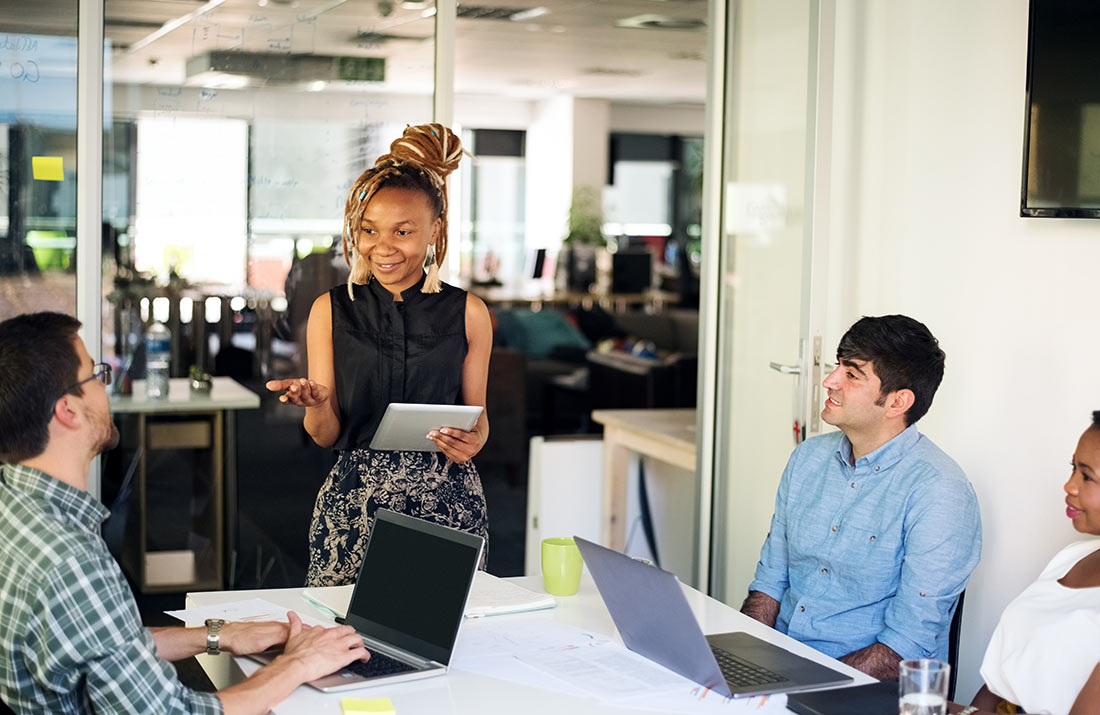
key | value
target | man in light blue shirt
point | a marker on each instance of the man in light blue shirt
(876, 529)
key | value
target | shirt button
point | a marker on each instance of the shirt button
(825, 571)
(872, 538)
(801, 609)
(834, 527)
(853, 485)
(876, 469)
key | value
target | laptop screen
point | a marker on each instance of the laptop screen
(413, 584)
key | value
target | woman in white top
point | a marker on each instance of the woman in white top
(1045, 652)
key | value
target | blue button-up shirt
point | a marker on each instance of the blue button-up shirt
(878, 551)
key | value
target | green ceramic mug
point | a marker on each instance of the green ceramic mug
(561, 566)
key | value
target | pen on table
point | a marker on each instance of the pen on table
(323, 608)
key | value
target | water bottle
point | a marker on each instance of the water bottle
(158, 357)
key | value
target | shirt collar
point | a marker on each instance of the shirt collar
(411, 293)
(67, 499)
(885, 456)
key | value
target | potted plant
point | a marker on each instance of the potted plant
(577, 260)
(201, 381)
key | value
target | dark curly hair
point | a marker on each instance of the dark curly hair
(39, 366)
(904, 354)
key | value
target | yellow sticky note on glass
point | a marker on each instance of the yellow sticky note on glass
(47, 168)
(367, 706)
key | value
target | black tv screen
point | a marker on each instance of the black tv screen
(1062, 126)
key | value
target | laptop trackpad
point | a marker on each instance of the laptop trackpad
(784, 665)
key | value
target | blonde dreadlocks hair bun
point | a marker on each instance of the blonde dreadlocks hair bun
(420, 160)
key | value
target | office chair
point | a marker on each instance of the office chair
(953, 645)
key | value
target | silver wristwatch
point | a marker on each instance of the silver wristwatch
(213, 635)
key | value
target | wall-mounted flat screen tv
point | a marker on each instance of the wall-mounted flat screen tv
(1062, 126)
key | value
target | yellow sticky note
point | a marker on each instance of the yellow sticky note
(367, 706)
(47, 168)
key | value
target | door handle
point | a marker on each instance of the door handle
(785, 369)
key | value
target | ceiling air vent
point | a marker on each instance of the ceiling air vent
(661, 22)
(480, 12)
(610, 72)
(374, 38)
(267, 68)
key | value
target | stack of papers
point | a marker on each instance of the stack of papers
(252, 609)
(491, 596)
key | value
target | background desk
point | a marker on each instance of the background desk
(167, 424)
(464, 693)
(667, 435)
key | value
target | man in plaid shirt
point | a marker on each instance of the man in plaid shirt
(71, 639)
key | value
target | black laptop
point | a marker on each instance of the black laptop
(655, 620)
(408, 601)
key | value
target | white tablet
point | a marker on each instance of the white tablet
(405, 426)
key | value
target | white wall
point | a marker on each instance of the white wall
(591, 129)
(930, 111)
(684, 119)
(549, 171)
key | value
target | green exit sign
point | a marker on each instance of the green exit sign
(362, 69)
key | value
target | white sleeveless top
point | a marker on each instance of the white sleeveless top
(1048, 639)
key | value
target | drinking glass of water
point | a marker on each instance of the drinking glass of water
(922, 687)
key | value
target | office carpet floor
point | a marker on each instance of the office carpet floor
(279, 470)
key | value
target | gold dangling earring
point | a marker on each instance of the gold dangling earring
(432, 284)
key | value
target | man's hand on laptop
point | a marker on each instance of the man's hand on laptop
(242, 638)
(319, 650)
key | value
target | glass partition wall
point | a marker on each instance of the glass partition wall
(232, 130)
(581, 230)
(38, 181)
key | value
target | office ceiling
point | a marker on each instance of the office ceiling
(649, 51)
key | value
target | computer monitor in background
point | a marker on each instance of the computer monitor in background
(631, 271)
(539, 261)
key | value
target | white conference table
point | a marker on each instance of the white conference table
(466, 693)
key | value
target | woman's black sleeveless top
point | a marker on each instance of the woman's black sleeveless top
(387, 351)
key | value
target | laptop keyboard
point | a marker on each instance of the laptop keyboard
(379, 664)
(741, 673)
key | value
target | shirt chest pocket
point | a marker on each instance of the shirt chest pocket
(873, 557)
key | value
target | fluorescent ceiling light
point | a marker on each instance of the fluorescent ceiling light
(528, 14)
(173, 24)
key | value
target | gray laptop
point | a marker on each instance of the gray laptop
(408, 601)
(655, 620)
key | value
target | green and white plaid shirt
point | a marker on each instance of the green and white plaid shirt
(71, 639)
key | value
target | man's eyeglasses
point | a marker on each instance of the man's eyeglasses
(100, 371)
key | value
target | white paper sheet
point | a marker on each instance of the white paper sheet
(606, 671)
(253, 609)
(544, 653)
(509, 636)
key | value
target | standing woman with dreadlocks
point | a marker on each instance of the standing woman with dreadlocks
(394, 333)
